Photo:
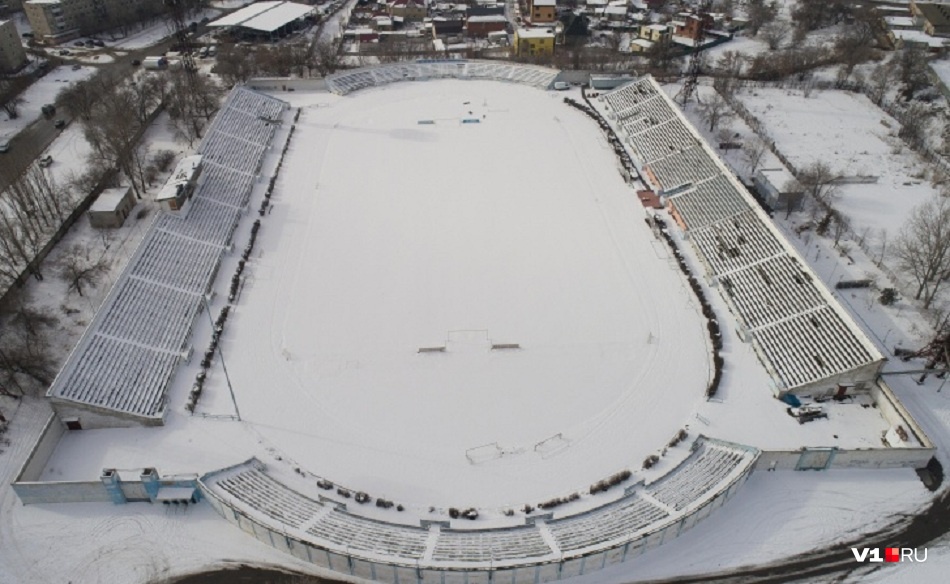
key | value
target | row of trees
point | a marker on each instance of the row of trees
(238, 63)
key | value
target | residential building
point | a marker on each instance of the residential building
(542, 11)
(481, 26)
(408, 10)
(688, 26)
(641, 45)
(55, 21)
(934, 18)
(534, 42)
(655, 32)
(12, 55)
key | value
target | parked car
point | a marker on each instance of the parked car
(98, 43)
(77, 67)
(64, 52)
(28, 35)
(4, 147)
(48, 110)
(80, 44)
(46, 161)
(136, 62)
(60, 123)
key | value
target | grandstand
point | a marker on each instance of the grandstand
(706, 475)
(345, 82)
(119, 373)
(803, 337)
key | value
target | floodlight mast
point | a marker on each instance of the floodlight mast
(695, 59)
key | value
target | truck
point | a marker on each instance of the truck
(155, 63)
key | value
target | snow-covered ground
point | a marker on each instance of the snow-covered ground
(43, 91)
(942, 68)
(775, 515)
(853, 137)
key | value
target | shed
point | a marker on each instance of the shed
(778, 187)
(111, 208)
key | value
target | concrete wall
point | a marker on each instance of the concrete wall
(526, 573)
(42, 450)
(286, 84)
(876, 458)
(61, 492)
(91, 418)
(895, 412)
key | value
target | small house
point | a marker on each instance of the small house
(480, 26)
(778, 187)
(111, 207)
(181, 184)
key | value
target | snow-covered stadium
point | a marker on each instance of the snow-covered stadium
(417, 326)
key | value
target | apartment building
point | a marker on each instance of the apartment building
(12, 55)
(56, 21)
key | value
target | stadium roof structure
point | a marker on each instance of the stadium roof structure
(802, 335)
(265, 16)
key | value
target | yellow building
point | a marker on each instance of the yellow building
(542, 11)
(534, 42)
(409, 10)
(655, 32)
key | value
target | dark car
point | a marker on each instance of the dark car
(64, 52)
(59, 124)
(136, 62)
(98, 43)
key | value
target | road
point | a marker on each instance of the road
(33, 140)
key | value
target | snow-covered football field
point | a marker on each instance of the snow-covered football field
(388, 236)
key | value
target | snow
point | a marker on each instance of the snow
(855, 138)
(772, 517)
(459, 258)
(277, 17)
(109, 199)
(942, 68)
(247, 13)
(40, 93)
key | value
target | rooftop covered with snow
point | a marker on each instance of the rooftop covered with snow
(265, 16)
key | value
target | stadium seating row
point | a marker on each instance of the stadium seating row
(129, 353)
(349, 81)
(767, 286)
(710, 469)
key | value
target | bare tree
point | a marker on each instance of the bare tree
(193, 99)
(760, 12)
(775, 33)
(881, 79)
(914, 125)
(326, 58)
(922, 247)
(25, 362)
(80, 266)
(715, 111)
(819, 181)
(753, 150)
(841, 225)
